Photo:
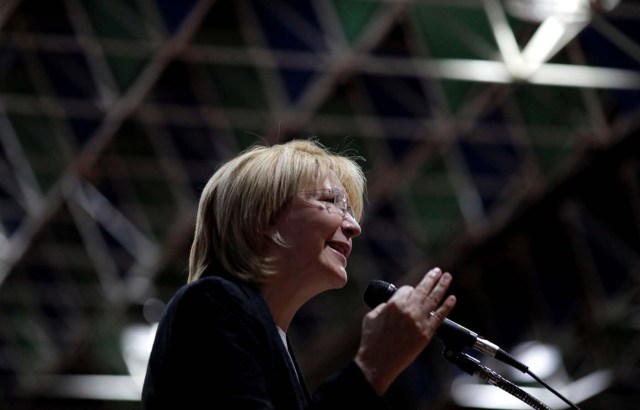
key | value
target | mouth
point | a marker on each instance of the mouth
(342, 248)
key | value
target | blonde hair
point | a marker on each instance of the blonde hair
(242, 199)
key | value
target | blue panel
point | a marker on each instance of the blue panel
(174, 12)
(174, 86)
(194, 147)
(601, 52)
(382, 91)
(69, 75)
(394, 44)
(296, 81)
(83, 128)
(48, 17)
(499, 161)
(280, 34)
(604, 52)
(400, 147)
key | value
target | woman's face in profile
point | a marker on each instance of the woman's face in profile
(319, 230)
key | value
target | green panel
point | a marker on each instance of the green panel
(539, 106)
(156, 197)
(238, 87)
(17, 298)
(549, 158)
(347, 144)
(153, 192)
(173, 273)
(105, 341)
(125, 70)
(41, 148)
(31, 353)
(45, 17)
(151, 186)
(354, 15)
(439, 216)
(435, 166)
(118, 19)
(435, 204)
(564, 56)
(247, 137)
(356, 145)
(220, 27)
(552, 151)
(133, 143)
(16, 78)
(74, 267)
(440, 29)
(62, 230)
(337, 102)
(121, 20)
(458, 93)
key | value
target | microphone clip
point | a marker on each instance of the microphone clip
(473, 367)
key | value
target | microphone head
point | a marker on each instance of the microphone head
(377, 292)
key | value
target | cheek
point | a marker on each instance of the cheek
(309, 227)
(302, 240)
(292, 230)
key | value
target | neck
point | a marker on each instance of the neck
(284, 298)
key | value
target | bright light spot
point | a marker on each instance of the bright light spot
(136, 343)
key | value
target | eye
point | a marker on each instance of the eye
(328, 197)
(350, 211)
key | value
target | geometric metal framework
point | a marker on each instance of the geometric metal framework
(518, 172)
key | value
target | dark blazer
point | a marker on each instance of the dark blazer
(218, 347)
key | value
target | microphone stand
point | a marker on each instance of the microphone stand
(472, 366)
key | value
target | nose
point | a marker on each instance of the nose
(350, 227)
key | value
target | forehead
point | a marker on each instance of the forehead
(329, 180)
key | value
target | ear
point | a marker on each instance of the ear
(271, 232)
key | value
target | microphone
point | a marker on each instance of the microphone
(451, 333)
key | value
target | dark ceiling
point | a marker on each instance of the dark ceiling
(518, 172)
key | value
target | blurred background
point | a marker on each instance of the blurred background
(501, 143)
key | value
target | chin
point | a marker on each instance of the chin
(334, 278)
(341, 279)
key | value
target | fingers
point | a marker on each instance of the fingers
(444, 309)
(426, 302)
(394, 333)
(431, 289)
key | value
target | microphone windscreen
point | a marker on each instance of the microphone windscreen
(377, 292)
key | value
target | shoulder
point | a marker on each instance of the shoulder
(217, 293)
(221, 286)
